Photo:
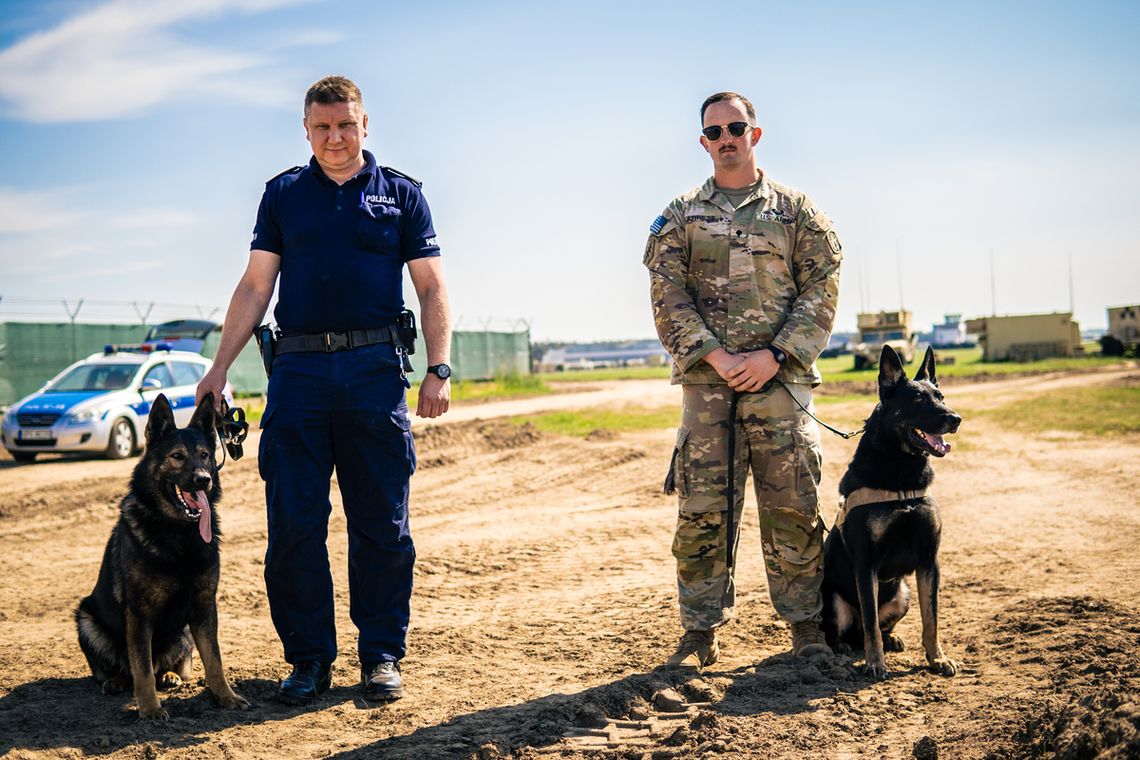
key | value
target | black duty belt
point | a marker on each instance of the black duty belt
(329, 342)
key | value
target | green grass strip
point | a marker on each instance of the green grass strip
(501, 388)
(582, 422)
(1093, 411)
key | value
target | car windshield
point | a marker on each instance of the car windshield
(96, 377)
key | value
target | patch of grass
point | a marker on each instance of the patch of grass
(845, 398)
(609, 373)
(967, 362)
(582, 422)
(1093, 411)
(254, 407)
(503, 387)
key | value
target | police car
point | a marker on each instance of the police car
(101, 404)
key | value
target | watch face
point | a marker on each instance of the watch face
(442, 371)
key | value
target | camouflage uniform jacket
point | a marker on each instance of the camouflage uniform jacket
(741, 279)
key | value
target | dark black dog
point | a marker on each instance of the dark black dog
(889, 525)
(156, 594)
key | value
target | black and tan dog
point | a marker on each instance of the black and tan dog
(888, 524)
(156, 594)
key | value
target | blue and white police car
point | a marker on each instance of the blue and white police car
(101, 404)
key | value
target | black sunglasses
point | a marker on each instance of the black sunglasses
(736, 129)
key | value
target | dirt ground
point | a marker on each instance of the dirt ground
(545, 598)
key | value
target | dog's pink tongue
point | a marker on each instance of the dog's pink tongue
(937, 442)
(198, 498)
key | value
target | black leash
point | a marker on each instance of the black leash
(838, 432)
(232, 430)
(729, 553)
(730, 557)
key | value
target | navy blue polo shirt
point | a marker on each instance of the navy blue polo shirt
(342, 247)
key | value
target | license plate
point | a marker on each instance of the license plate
(35, 435)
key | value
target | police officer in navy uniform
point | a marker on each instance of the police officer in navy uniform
(338, 233)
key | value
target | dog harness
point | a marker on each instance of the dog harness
(861, 496)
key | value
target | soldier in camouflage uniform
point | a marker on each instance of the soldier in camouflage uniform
(744, 277)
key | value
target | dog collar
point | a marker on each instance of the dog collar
(861, 496)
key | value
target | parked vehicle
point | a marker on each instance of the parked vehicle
(101, 404)
(884, 328)
(182, 334)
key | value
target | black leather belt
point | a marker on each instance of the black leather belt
(329, 342)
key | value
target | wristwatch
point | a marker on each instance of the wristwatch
(780, 356)
(442, 371)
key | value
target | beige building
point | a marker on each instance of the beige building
(1124, 323)
(1027, 337)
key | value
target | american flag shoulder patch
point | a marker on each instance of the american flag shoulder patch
(658, 225)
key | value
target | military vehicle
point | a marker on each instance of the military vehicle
(884, 328)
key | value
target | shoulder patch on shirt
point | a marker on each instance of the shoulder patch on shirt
(408, 177)
(658, 224)
(293, 170)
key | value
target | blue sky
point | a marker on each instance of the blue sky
(135, 139)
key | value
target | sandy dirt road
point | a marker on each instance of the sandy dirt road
(545, 599)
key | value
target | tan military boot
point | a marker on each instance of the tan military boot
(808, 639)
(697, 649)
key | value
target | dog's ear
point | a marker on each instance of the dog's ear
(926, 369)
(890, 372)
(205, 417)
(161, 420)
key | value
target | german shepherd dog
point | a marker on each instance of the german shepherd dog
(155, 597)
(889, 525)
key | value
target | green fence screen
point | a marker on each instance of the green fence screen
(31, 353)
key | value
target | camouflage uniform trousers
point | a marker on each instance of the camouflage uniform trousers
(780, 444)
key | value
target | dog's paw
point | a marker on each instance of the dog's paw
(843, 649)
(168, 680)
(892, 643)
(943, 666)
(233, 701)
(876, 668)
(116, 685)
(154, 713)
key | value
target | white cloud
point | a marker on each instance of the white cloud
(99, 271)
(34, 212)
(119, 59)
(157, 219)
(40, 212)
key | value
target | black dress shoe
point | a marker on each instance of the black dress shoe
(308, 681)
(382, 681)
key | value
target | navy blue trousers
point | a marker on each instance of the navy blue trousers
(342, 411)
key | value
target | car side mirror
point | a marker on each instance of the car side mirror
(151, 384)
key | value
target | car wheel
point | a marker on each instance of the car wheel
(122, 441)
(24, 457)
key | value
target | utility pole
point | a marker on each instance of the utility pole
(898, 265)
(1072, 298)
(993, 286)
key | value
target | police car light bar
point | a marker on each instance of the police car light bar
(135, 348)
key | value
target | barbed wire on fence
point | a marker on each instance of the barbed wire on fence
(18, 308)
(23, 309)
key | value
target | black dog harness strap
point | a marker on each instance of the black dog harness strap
(329, 342)
(861, 496)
